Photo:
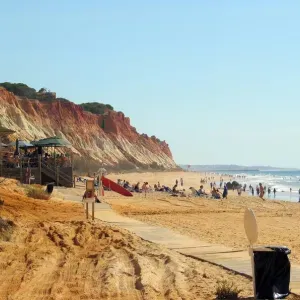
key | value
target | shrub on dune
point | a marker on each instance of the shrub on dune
(37, 192)
(227, 290)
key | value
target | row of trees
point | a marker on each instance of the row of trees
(23, 90)
(20, 89)
(44, 94)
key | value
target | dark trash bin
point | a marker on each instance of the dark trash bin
(50, 187)
(272, 272)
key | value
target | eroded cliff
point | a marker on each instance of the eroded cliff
(108, 139)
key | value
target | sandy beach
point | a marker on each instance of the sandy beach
(214, 221)
(49, 251)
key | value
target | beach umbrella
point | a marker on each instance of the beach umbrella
(21, 144)
(54, 141)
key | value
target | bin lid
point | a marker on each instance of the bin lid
(250, 226)
(271, 248)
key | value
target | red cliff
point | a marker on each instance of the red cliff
(108, 139)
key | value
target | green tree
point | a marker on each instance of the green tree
(42, 90)
(20, 89)
(96, 108)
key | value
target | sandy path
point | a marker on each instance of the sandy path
(53, 253)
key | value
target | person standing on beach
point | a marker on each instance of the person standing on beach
(257, 190)
(144, 188)
(211, 185)
(261, 191)
(274, 191)
(225, 192)
(252, 190)
(181, 181)
(269, 191)
(176, 182)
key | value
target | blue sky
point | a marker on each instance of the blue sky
(218, 80)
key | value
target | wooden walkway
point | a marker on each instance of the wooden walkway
(228, 258)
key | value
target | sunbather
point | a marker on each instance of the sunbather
(137, 188)
(174, 190)
(195, 193)
(216, 194)
(202, 191)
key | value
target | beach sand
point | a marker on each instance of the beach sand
(49, 251)
(52, 252)
(214, 221)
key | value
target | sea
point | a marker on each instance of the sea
(282, 181)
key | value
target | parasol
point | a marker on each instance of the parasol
(54, 141)
(21, 144)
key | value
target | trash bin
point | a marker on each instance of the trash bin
(272, 272)
(50, 187)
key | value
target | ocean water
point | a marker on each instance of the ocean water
(282, 181)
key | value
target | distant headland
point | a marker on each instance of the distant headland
(230, 168)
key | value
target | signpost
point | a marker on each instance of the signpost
(89, 197)
(251, 230)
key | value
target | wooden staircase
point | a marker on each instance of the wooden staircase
(56, 175)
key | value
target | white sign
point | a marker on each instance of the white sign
(250, 226)
(89, 200)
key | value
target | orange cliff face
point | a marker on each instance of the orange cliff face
(108, 138)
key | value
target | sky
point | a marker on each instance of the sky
(218, 80)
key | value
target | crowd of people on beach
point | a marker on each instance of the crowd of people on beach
(218, 190)
(147, 188)
(177, 190)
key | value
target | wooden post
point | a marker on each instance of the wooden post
(93, 211)
(72, 163)
(87, 210)
(57, 176)
(40, 168)
(253, 269)
(74, 184)
(21, 168)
